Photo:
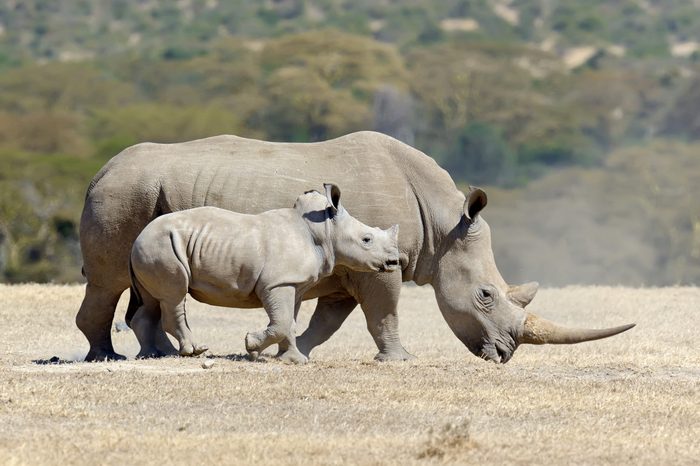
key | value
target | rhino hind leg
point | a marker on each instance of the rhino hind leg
(279, 304)
(330, 313)
(174, 320)
(162, 342)
(95, 318)
(149, 332)
(148, 328)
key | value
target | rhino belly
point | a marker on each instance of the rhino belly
(225, 297)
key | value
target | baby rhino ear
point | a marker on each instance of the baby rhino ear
(333, 196)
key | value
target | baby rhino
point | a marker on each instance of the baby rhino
(230, 259)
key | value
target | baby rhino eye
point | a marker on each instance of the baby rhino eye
(367, 240)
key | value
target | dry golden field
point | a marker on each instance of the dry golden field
(631, 399)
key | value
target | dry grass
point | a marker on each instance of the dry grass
(631, 399)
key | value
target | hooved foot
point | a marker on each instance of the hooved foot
(192, 349)
(293, 356)
(150, 353)
(103, 355)
(394, 355)
(253, 341)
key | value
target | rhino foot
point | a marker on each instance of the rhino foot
(150, 353)
(199, 349)
(103, 355)
(191, 349)
(394, 355)
(293, 356)
(253, 341)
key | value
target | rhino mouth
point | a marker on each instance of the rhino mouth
(503, 354)
(389, 265)
(494, 352)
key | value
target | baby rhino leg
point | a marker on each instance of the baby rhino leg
(145, 325)
(175, 323)
(279, 304)
(288, 350)
(148, 329)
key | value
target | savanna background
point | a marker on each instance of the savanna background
(580, 119)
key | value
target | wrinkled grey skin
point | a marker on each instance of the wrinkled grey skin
(268, 260)
(443, 242)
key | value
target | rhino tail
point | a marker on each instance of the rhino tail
(135, 299)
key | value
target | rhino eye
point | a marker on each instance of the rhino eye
(485, 296)
(367, 240)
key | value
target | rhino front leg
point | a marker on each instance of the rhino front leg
(379, 298)
(280, 306)
(330, 313)
(288, 350)
(95, 318)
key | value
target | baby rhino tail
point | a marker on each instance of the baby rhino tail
(135, 299)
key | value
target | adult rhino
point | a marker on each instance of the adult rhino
(444, 241)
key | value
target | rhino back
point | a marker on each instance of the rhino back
(376, 173)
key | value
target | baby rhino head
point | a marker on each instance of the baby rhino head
(354, 244)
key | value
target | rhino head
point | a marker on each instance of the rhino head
(484, 312)
(353, 244)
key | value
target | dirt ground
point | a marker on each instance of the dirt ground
(631, 399)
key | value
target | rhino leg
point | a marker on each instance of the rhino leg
(158, 342)
(174, 320)
(94, 319)
(379, 297)
(330, 313)
(280, 306)
(144, 325)
(162, 342)
(148, 329)
(288, 351)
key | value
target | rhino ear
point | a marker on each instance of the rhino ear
(333, 196)
(475, 202)
(523, 294)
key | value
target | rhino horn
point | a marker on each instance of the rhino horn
(539, 331)
(523, 294)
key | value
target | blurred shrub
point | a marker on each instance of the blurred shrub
(635, 221)
(82, 81)
(482, 156)
(320, 85)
